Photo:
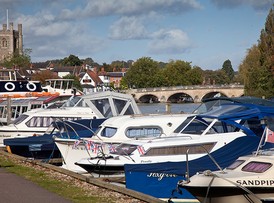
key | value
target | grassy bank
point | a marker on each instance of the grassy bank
(67, 187)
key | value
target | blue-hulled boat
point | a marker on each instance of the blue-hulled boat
(160, 179)
(43, 147)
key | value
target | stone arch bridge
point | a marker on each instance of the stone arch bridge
(185, 93)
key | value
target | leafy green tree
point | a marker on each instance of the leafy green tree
(217, 77)
(227, 68)
(72, 60)
(266, 42)
(22, 61)
(143, 73)
(175, 73)
(257, 69)
(195, 76)
(256, 78)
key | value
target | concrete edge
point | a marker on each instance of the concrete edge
(90, 180)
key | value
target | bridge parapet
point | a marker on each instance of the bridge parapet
(190, 87)
(195, 92)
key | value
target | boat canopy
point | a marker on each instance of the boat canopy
(107, 103)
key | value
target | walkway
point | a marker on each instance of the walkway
(15, 189)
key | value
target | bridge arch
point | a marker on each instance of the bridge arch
(213, 94)
(196, 92)
(148, 98)
(180, 97)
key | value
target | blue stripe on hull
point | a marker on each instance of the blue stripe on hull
(145, 177)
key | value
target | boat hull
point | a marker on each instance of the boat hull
(144, 177)
(231, 194)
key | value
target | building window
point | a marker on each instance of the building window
(4, 42)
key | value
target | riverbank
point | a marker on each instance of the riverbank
(71, 186)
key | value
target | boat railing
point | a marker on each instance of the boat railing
(210, 156)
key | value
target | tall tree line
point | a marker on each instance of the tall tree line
(257, 69)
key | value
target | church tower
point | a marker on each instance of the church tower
(11, 41)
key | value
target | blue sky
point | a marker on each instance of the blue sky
(204, 32)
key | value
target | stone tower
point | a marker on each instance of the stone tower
(11, 41)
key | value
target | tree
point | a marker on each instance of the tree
(227, 68)
(256, 78)
(175, 73)
(72, 60)
(195, 76)
(266, 43)
(43, 75)
(143, 73)
(257, 69)
(17, 60)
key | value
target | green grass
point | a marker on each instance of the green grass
(62, 188)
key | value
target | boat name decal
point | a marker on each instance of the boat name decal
(255, 182)
(160, 176)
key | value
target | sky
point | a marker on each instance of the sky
(203, 32)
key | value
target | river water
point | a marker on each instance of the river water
(163, 107)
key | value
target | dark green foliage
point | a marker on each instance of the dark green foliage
(72, 60)
(22, 61)
(227, 68)
(257, 69)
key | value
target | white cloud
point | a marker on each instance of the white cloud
(255, 4)
(169, 42)
(130, 8)
(128, 28)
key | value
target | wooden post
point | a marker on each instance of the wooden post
(8, 110)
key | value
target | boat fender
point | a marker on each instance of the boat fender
(31, 86)
(9, 86)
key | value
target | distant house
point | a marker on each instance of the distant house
(104, 76)
(115, 77)
(90, 82)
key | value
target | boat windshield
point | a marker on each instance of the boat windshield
(20, 119)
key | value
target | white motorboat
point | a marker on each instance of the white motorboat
(97, 105)
(249, 179)
(54, 94)
(117, 130)
(114, 131)
(12, 84)
(197, 135)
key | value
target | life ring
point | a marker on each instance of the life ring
(9, 86)
(31, 86)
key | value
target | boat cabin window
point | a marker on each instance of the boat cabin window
(179, 149)
(20, 119)
(108, 132)
(141, 132)
(45, 121)
(235, 164)
(256, 167)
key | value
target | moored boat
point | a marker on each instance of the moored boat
(249, 179)
(242, 123)
(97, 105)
